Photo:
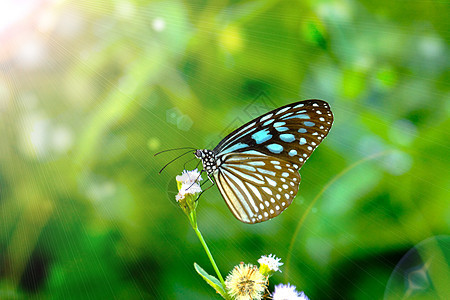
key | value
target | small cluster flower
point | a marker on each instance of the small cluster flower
(188, 184)
(188, 190)
(269, 264)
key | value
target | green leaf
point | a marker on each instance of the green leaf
(211, 280)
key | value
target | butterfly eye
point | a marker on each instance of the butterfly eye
(198, 154)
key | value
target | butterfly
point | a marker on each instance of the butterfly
(256, 167)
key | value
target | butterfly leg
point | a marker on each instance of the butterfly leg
(196, 179)
(210, 179)
(206, 175)
(213, 184)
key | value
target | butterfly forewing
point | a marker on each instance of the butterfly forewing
(257, 188)
(279, 141)
(291, 132)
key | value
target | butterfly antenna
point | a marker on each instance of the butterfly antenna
(174, 160)
(205, 189)
(182, 148)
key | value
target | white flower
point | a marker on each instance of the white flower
(188, 184)
(287, 292)
(188, 189)
(271, 262)
(189, 177)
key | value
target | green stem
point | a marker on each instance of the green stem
(211, 259)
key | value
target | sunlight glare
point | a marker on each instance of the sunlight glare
(13, 12)
(22, 26)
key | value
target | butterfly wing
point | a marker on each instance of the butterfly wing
(287, 135)
(256, 188)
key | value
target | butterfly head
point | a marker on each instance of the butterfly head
(208, 160)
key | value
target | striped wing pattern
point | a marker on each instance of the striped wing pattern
(259, 162)
(257, 188)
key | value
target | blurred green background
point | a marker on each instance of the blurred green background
(89, 91)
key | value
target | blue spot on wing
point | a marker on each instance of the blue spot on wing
(261, 136)
(276, 124)
(298, 117)
(309, 124)
(302, 130)
(233, 148)
(302, 141)
(268, 122)
(287, 137)
(281, 129)
(293, 152)
(275, 148)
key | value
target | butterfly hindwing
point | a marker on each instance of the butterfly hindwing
(256, 188)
